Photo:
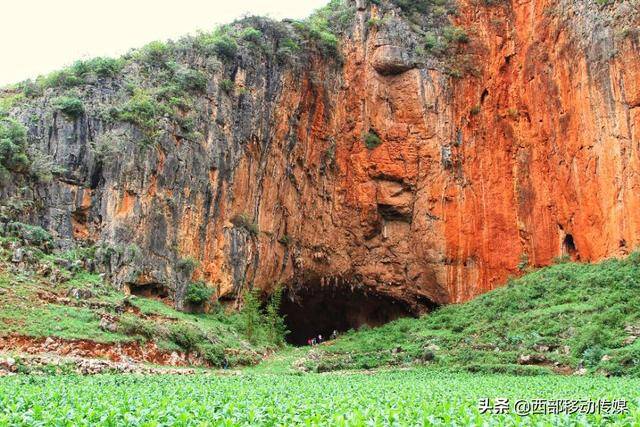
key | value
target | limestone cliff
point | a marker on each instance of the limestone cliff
(438, 150)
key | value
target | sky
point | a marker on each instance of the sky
(40, 36)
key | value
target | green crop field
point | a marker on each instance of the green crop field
(415, 397)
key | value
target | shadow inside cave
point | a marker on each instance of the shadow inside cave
(150, 290)
(319, 310)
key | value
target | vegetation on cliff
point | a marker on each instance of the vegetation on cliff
(13, 156)
(158, 88)
(151, 99)
(430, 32)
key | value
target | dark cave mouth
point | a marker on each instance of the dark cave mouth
(150, 290)
(319, 310)
(569, 248)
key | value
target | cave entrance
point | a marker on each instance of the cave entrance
(321, 309)
(150, 290)
(569, 247)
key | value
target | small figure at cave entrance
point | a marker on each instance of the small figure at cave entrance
(319, 339)
(334, 335)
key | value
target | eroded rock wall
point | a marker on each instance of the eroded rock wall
(530, 153)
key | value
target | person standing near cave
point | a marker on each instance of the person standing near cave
(319, 338)
(334, 334)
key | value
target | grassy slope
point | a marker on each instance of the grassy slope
(574, 315)
(35, 306)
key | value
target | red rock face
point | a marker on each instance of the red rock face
(532, 157)
(550, 162)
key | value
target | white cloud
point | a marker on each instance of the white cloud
(39, 36)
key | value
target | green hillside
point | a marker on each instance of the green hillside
(557, 319)
(50, 293)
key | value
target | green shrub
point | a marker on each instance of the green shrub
(225, 47)
(434, 44)
(439, 11)
(335, 17)
(70, 106)
(8, 101)
(186, 336)
(169, 91)
(413, 6)
(140, 110)
(187, 265)
(287, 47)
(212, 353)
(592, 355)
(372, 139)
(198, 293)
(13, 141)
(633, 259)
(430, 40)
(191, 80)
(227, 85)
(62, 78)
(106, 67)
(253, 228)
(251, 34)
(325, 40)
(30, 88)
(43, 167)
(373, 22)
(323, 25)
(153, 53)
(428, 355)
(524, 258)
(328, 42)
(145, 112)
(129, 324)
(102, 67)
(181, 103)
(36, 235)
(455, 34)
(623, 361)
(76, 74)
(32, 235)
